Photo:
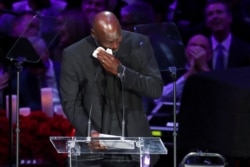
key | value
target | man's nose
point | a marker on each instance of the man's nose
(114, 45)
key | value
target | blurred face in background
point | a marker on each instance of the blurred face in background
(62, 29)
(201, 43)
(72, 26)
(92, 7)
(26, 25)
(218, 17)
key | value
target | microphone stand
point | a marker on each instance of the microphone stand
(19, 66)
(21, 51)
(123, 109)
(172, 71)
(91, 108)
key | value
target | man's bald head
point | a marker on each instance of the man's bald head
(106, 30)
(199, 40)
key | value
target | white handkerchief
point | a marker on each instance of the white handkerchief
(109, 51)
(96, 51)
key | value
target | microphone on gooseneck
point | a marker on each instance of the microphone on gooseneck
(123, 110)
(91, 106)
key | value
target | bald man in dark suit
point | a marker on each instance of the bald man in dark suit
(123, 67)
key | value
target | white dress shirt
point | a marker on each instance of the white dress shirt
(226, 44)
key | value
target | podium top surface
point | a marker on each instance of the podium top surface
(115, 145)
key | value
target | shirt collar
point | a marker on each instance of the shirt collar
(225, 43)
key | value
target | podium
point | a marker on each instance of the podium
(142, 146)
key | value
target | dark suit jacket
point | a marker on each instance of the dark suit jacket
(239, 53)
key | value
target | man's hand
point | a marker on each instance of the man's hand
(198, 58)
(95, 144)
(108, 61)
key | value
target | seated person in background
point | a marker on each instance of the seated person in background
(70, 29)
(138, 12)
(47, 10)
(25, 25)
(32, 79)
(198, 53)
(4, 77)
(4, 81)
(228, 50)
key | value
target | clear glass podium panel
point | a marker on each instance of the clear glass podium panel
(114, 145)
(30, 43)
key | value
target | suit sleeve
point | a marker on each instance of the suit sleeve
(70, 88)
(142, 75)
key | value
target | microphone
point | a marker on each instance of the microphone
(123, 112)
(121, 76)
(91, 106)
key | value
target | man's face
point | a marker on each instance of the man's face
(217, 17)
(109, 41)
(92, 7)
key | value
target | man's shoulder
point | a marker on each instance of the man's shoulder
(240, 45)
(239, 41)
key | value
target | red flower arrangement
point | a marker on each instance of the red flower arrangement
(35, 131)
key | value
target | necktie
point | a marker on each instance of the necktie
(219, 59)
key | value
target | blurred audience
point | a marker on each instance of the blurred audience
(6, 18)
(5, 5)
(73, 4)
(47, 11)
(235, 52)
(240, 13)
(160, 9)
(4, 77)
(25, 25)
(32, 79)
(187, 13)
(72, 25)
(42, 7)
(4, 82)
(92, 7)
(198, 53)
(136, 13)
